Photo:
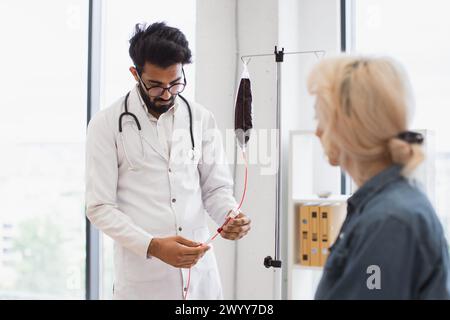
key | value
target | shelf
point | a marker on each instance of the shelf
(302, 267)
(311, 199)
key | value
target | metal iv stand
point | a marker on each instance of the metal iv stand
(276, 262)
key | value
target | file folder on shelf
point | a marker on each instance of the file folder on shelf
(324, 235)
(317, 229)
(331, 219)
(304, 236)
(315, 233)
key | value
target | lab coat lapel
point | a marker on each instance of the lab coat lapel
(148, 133)
(181, 137)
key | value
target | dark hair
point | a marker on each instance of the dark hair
(158, 44)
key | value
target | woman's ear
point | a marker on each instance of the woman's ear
(319, 132)
(332, 151)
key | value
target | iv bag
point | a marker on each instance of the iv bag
(243, 110)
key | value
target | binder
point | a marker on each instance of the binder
(315, 233)
(331, 219)
(324, 233)
(304, 236)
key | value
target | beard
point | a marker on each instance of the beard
(158, 106)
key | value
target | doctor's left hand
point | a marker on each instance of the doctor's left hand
(236, 228)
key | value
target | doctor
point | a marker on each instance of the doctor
(148, 190)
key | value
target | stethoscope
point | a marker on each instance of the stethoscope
(191, 153)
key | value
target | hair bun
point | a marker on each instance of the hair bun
(400, 150)
(407, 154)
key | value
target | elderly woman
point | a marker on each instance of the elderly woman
(391, 245)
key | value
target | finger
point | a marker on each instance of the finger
(188, 264)
(195, 251)
(187, 242)
(188, 260)
(191, 256)
(240, 215)
(240, 221)
(187, 257)
(234, 235)
(237, 229)
(229, 235)
(185, 263)
(202, 246)
(242, 235)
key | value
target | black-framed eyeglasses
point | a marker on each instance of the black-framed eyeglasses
(157, 91)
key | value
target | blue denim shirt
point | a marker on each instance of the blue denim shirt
(391, 245)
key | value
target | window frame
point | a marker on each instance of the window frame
(93, 239)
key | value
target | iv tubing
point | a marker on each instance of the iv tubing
(226, 221)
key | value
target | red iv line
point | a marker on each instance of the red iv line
(233, 214)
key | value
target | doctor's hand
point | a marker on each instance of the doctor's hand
(236, 228)
(177, 251)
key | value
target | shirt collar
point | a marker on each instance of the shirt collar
(373, 186)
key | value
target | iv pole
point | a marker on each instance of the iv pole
(276, 262)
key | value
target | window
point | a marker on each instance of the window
(416, 33)
(43, 125)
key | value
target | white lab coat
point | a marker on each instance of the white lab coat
(163, 197)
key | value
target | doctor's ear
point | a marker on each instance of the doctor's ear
(134, 73)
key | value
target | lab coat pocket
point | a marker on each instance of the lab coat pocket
(139, 269)
(206, 262)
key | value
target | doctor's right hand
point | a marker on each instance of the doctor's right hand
(177, 251)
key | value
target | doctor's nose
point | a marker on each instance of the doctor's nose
(166, 95)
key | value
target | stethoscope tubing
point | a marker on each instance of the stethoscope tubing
(136, 120)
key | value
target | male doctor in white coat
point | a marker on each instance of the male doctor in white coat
(145, 187)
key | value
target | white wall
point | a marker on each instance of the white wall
(258, 33)
(261, 24)
(215, 61)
